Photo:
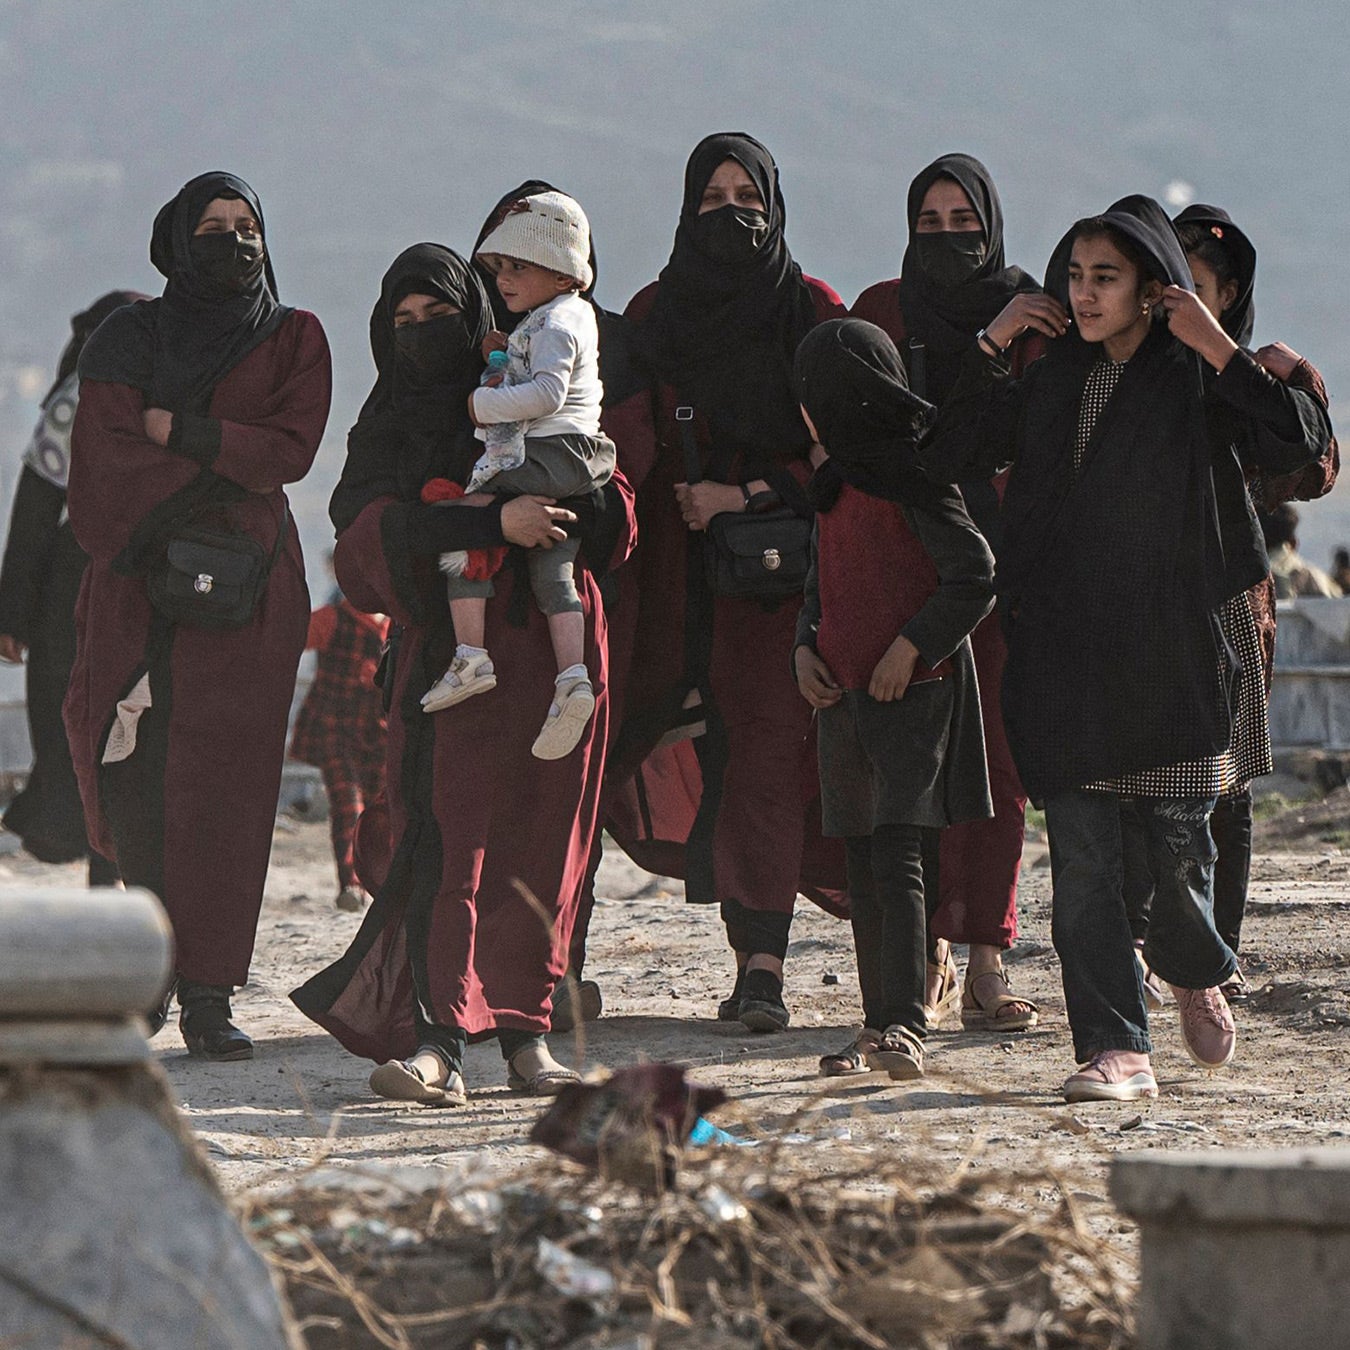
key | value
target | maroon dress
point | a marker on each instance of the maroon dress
(766, 841)
(209, 751)
(487, 846)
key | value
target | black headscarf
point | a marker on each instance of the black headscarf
(1239, 318)
(411, 429)
(178, 348)
(725, 334)
(946, 317)
(82, 327)
(851, 381)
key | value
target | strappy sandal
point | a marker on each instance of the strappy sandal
(984, 1016)
(400, 1080)
(949, 992)
(548, 1082)
(853, 1058)
(899, 1054)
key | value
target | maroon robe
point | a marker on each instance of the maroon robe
(766, 844)
(487, 845)
(228, 694)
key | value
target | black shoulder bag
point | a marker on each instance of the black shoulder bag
(213, 578)
(749, 555)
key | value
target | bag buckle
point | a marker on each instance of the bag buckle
(684, 413)
(205, 581)
(772, 559)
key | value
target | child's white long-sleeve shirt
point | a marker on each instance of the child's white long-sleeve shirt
(562, 355)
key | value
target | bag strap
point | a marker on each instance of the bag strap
(693, 464)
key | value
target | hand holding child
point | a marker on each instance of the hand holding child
(814, 680)
(494, 342)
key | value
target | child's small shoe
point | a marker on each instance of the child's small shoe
(465, 677)
(572, 706)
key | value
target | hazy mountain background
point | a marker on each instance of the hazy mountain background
(368, 126)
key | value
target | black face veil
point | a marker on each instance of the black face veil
(415, 424)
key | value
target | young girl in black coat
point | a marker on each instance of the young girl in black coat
(900, 577)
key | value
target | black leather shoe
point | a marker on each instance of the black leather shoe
(159, 1014)
(205, 1023)
(729, 1010)
(762, 1006)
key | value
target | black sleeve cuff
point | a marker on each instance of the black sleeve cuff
(444, 529)
(599, 520)
(196, 438)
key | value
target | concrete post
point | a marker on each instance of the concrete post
(112, 1230)
(1240, 1251)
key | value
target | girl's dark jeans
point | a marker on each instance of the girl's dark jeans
(1103, 985)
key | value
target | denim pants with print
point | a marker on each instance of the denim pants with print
(1103, 985)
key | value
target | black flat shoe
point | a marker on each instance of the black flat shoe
(762, 1007)
(205, 1023)
(729, 1010)
(159, 1014)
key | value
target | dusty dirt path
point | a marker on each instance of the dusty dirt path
(662, 966)
(990, 1100)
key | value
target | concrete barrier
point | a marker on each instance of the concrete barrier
(112, 1229)
(1240, 1251)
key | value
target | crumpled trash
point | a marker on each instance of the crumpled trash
(705, 1132)
(570, 1275)
(631, 1127)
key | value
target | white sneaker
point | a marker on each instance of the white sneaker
(465, 677)
(573, 704)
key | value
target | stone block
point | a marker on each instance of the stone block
(81, 953)
(1240, 1250)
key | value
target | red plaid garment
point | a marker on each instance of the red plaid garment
(342, 717)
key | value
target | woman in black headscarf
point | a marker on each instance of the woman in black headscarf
(1223, 262)
(196, 409)
(1119, 569)
(724, 810)
(899, 578)
(953, 281)
(481, 836)
(39, 583)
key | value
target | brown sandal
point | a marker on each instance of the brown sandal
(853, 1058)
(899, 1053)
(977, 1015)
(949, 992)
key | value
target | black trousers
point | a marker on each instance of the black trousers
(886, 894)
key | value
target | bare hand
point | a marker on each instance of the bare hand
(11, 649)
(1194, 325)
(700, 502)
(814, 680)
(894, 671)
(1037, 311)
(494, 342)
(158, 424)
(493, 381)
(534, 522)
(1279, 360)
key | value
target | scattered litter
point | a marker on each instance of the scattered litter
(829, 977)
(570, 1275)
(1073, 1125)
(705, 1132)
(1162, 1126)
(721, 1207)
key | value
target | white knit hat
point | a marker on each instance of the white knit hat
(549, 230)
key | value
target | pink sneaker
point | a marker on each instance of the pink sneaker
(1207, 1029)
(1112, 1076)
